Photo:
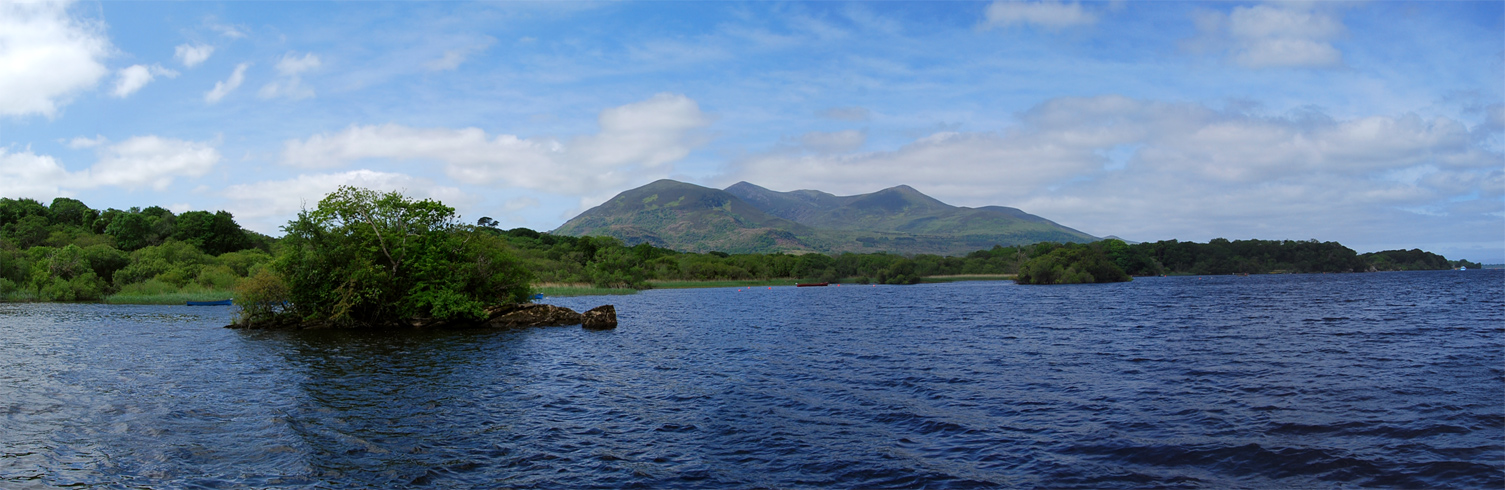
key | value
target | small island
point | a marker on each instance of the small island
(366, 259)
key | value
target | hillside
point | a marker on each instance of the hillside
(746, 218)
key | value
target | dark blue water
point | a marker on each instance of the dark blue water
(1386, 379)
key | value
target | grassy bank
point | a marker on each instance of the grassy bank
(967, 277)
(174, 298)
(721, 284)
(154, 292)
(164, 298)
(566, 289)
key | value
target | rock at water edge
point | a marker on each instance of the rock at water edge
(600, 318)
(534, 315)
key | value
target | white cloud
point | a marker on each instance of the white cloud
(141, 161)
(27, 174)
(291, 65)
(634, 139)
(190, 55)
(47, 56)
(1266, 36)
(151, 161)
(1191, 172)
(265, 206)
(132, 78)
(221, 89)
(290, 84)
(1045, 13)
(82, 142)
(449, 61)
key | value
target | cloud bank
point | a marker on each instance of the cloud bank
(636, 139)
(139, 162)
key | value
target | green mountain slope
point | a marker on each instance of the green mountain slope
(749, 218)
(688, 217)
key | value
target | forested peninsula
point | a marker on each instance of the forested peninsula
(67, 251)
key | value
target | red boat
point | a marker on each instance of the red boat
(811, 284)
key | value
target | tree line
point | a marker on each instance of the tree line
(67, 251)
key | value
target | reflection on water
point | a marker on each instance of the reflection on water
(1271, 381)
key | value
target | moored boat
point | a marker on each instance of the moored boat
(223, 302)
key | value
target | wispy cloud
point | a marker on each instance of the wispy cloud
(452, 58)
(190, 55)
(227, 30)
(221, 89)
(130, 79)
(290, 83)
(846, 113)
(1272, 36)
(1050, 14)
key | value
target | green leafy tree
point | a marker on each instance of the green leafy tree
(71, 212)
(364, 257)
(132, 230)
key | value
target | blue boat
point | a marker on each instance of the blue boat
(223, 302)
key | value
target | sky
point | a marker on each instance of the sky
(1379, 124)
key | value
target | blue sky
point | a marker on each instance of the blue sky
(1376, 124)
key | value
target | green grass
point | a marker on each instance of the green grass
(166, 298)
(722, 284)
(581, 291)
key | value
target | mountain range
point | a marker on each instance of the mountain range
(746, 218)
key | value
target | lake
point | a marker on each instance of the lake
(1381, 379)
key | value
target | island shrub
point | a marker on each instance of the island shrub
(364, 257)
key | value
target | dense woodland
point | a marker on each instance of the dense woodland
(66, 251)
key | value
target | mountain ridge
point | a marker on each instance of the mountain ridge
(747, 218)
